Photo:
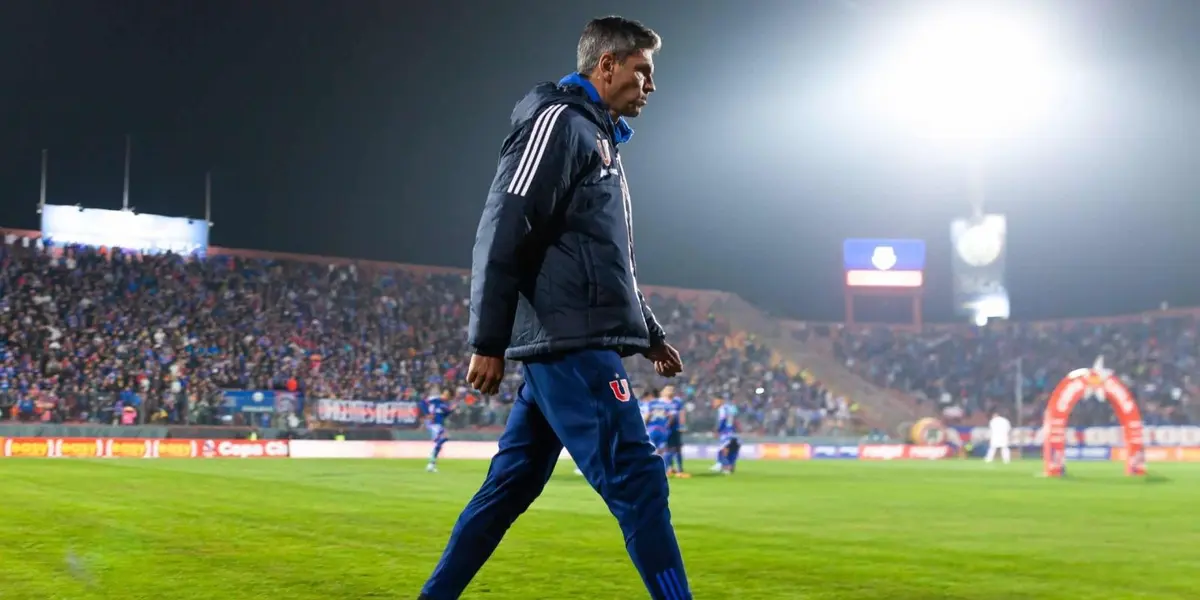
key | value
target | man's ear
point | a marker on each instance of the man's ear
(606, 66)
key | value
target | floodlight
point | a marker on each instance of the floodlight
(967, 75)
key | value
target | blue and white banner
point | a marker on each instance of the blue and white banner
(366, 412)
(1103, 453)
(824, 452)
(1031, 437)
(712, 451)
(261, 401)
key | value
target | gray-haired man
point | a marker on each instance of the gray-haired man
(554, 287)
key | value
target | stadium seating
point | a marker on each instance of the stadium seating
(90, 334)
(964, 373)
(94, 335)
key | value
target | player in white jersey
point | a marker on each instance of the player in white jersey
(999, 439)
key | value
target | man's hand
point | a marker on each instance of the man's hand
(666, 359)
(485, 374)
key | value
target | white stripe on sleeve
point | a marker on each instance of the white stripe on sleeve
(539, 138)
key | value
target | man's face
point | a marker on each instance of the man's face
(630, 83)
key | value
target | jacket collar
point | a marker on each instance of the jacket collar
(621, 129)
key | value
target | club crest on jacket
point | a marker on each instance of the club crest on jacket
(605, 150)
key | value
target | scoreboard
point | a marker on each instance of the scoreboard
(884, 267)
(884, 263)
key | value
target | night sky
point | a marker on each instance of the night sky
(370, 128)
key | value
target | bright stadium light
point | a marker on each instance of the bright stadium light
(967, 75)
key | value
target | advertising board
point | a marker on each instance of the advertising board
(140, 448)
(131, 448)
(829, 452)
(1032, 437)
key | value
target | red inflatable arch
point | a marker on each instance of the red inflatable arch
(1081, 383)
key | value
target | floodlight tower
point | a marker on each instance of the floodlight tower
(964, 79)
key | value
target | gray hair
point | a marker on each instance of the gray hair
(616, 35)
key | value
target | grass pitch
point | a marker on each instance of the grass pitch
(326, 529)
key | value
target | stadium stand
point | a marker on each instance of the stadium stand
(104, 336)
(962, 374)
(99, 336)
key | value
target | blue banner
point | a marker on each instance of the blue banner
(883, 255)
(1089, 453)
(261, 401)
(834, 452)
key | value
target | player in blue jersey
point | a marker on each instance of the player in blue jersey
(658, 424)
(678, 424)
(437, 409)
(727, 433)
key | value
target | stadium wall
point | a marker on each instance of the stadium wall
(1027, 438)
(31, 430)
(153, 448)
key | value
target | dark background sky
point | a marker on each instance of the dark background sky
(369, 128)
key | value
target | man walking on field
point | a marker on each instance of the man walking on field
(554, 287)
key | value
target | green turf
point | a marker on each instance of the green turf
(228, 529)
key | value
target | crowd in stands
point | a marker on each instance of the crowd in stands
(108, 336)
(966, 373)
(100, 335)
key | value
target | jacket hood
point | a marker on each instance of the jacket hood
(545, 94)
(577, 91)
